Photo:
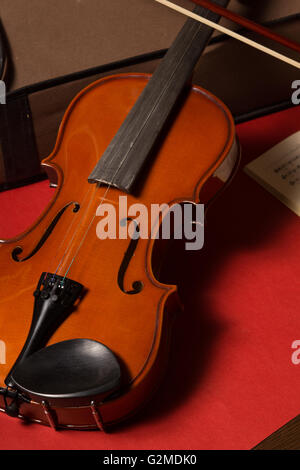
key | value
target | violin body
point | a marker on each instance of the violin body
(135, 327)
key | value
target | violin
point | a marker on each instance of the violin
(85, 319)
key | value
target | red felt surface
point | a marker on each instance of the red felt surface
(230, 380)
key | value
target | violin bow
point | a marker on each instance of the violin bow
(243, 22)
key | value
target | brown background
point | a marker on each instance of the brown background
(49, 38)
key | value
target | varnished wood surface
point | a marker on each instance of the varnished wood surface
(132, 144)
(285, 438)
(134, 327)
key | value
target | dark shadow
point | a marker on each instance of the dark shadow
(231, 228)
(6, 63)
(255, 9)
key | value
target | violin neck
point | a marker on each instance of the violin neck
(122, 162)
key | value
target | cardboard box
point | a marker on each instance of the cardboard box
(49, 39)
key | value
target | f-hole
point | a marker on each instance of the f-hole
(137, 286)
(19, 250)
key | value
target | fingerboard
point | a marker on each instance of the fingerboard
(126, 155)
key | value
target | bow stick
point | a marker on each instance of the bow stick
(240, 20)
(235, 35)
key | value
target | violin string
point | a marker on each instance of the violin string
(67, 233)
(90, 223)
(101, 202)
(87, 230)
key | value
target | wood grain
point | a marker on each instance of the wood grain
(285, 438)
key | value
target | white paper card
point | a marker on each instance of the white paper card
(278, 171)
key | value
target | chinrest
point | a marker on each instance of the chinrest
(73, 369)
